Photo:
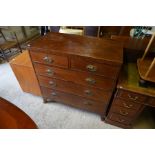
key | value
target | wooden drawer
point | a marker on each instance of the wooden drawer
(73, 100)
(123, 111)
(49, 59)
(126, 126)
(83, 78)
(131, 96)
(79, 63)
(119, 118)
(69, 87)
(126, 104)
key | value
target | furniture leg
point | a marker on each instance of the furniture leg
(44, 100)
(103, 118)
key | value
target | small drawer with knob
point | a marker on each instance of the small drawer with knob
(131, 96)
(119, 118)
(126, 104)
(49, 59)
(123, 111)
(106, 70)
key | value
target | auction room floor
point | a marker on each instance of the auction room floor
(51, 115)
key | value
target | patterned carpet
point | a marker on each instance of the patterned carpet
(48, 116)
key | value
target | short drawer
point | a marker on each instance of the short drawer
(119, 118)
(95, 68)
(123, 111)
(86, 79)
(49, 59)
(131, 96)
(69, 87)
(126, 104)
(73, 100)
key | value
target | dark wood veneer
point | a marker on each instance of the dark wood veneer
(49, 59)
(110, 71)
(73, 100)
(70, 87)
(80, 71)
(76, 77)
(103, 50)
(130, 98)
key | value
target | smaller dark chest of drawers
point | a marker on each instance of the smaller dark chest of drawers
(76, 70)
(130, 99)
(125, 108)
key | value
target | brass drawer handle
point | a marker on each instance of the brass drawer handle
(48, 100)
(90, 80)
(52, 83)
(87, 103)
(120, 120)
(127, 105)
(123, 113)
(47, 59)
(88, 92)
(53, 94)
(91, 68)
(132, 98)
(49, 72)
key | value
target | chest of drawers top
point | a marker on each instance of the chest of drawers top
(102, 50)
(129, 81)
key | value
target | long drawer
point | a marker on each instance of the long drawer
(83, 78)
(73, 100)
(69, 87)
(49, 59)
(119, 118)
(110, 71)
(131, 96)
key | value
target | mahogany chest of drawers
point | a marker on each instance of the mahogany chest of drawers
(130, 99)
(126, 107)
(76, 70)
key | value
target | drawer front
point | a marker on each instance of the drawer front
(69, 87)
(123, 111)
(53, 60)
(95, 68)
(131, 96)
(86, 79)
(73, 100)
(126, 104)
(119, 118)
